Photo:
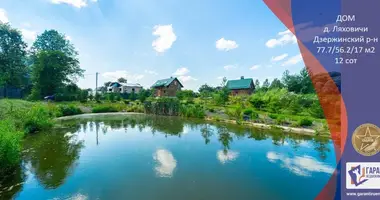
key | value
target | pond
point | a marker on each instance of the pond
(142, 157)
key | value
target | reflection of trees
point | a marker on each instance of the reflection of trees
(258, 135)
(173, 126)
(224, 137)
(11, 184)
(53, 155)
(321, 145)
(278, 137)
(206, 132)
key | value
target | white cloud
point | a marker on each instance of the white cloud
(280, 57)
(187, 78)
(166, 37)
(228, 156)
(3, 16)
(226, 45)
(254, 67)
(151, 72)
(29, 35)
(181, 71)
(68, 38)
(166, 163)
(283, 38)
(228, 67)
(113, 76)
(293, 60)
(75, 3)
(302, 166)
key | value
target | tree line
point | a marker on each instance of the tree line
(49, 66)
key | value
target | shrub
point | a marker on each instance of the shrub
(217, 118)
(37, 118)
(136, 108)
(104, 109)
(192, 110)
(248, 111)
(272, 116)
(162, 106)
(68, 110)
(54, 110)
(305, 122)
(316, 110)
(254, 116)
(211, 110)
(257, 102)
(238, 113)
(117, 97)
(280, 120)
(127, 101)
(10, 145)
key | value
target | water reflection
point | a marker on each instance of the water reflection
(11, 183)
(207, 132)
(53, 155)
(165, 163)
(225, 156)
(299, 165)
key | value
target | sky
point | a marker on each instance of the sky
(196, 41)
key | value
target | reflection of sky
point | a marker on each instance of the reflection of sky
(166, 163)
(299, 165)
(228, 156)
(186, 130)
(77, 196)
(301, 143)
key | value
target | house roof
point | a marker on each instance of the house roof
(243, 83)
(117, 84)
(114, 84)
(131, 84)
(165, 82)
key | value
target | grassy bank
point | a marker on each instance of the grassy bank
(18, 118)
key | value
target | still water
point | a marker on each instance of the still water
(142, 157)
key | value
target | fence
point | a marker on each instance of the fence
(11, 92)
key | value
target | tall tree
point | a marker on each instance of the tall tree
(55, 63)
(298, 83)
(13, 69)
(276, 83)
(224, 82)
(206, 88)
(52, 40)
(122, 80)
(265, 85)
(306, 84)
(52, 70)
(257, 84)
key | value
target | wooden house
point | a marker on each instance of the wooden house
(167, 87)
(242, 86)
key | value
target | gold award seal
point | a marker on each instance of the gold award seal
(366, 139)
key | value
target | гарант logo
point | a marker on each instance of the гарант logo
(364, 175)
(366, 139)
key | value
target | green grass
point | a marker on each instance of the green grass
(68, 110)
(104, 109)
(10, 145)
